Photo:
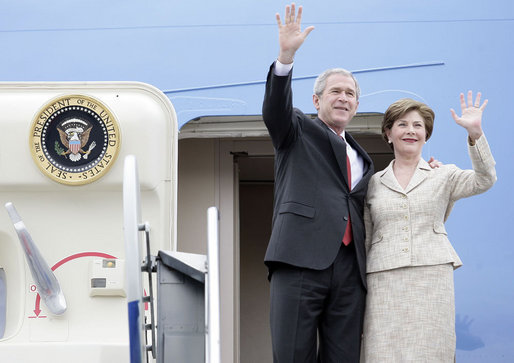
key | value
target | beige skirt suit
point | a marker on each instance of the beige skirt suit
(410, 310)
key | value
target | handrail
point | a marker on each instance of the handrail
(47, 285)
(212, 336)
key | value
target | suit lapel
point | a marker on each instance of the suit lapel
(389, 180)
(420, 174)
(339, 148)
(368, 163)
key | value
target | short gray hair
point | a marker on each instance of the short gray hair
(321, 81)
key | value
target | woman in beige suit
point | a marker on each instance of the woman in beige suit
(410, 310)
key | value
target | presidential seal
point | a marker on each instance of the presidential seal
(74, 139)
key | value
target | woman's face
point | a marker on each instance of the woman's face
(408, 134)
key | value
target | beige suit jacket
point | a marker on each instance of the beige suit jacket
(406, 227)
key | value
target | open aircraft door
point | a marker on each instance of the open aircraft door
(62, 147)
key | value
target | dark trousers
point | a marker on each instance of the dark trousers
(307, 305)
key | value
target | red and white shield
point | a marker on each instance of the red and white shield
(74, 146)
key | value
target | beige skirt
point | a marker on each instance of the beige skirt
(410, 315)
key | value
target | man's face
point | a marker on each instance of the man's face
(338, 103)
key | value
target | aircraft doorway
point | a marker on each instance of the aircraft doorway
(255, 214)
(228, 163)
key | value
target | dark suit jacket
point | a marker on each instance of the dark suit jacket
(312, 200)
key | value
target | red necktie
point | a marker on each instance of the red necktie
(347, 238)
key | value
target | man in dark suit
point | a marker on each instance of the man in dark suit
(315, 256)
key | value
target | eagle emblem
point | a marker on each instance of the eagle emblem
(74, 139)
(74, 135)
